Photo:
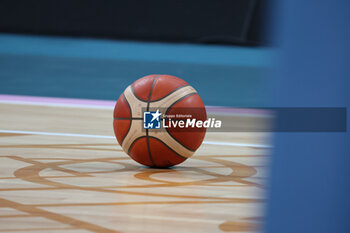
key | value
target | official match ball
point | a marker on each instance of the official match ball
(158, 120)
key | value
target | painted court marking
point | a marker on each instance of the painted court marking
(112, 137)
(107, 104)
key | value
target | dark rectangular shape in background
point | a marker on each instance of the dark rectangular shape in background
(224, 21)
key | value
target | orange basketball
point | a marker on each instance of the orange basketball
(154, 120)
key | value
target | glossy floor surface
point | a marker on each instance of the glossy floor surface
(61, 170)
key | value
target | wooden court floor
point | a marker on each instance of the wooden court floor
(61, 170)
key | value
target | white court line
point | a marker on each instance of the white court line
(65, 105)
(236, 144)
(112, 137)
(56, 134)
(210, 110)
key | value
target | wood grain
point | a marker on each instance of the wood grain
(76, 184)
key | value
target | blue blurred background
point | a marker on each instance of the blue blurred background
(95, 49)
(102, 69)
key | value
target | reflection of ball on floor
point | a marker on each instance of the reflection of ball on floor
(158, 146)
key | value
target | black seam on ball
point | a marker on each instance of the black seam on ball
(130, 121)
(176, 89)
(148, 102)
(132, 144)
(128, 118)
(168, 147)
(166, 113)
(133, 91)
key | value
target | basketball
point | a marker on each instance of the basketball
(154, 120)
